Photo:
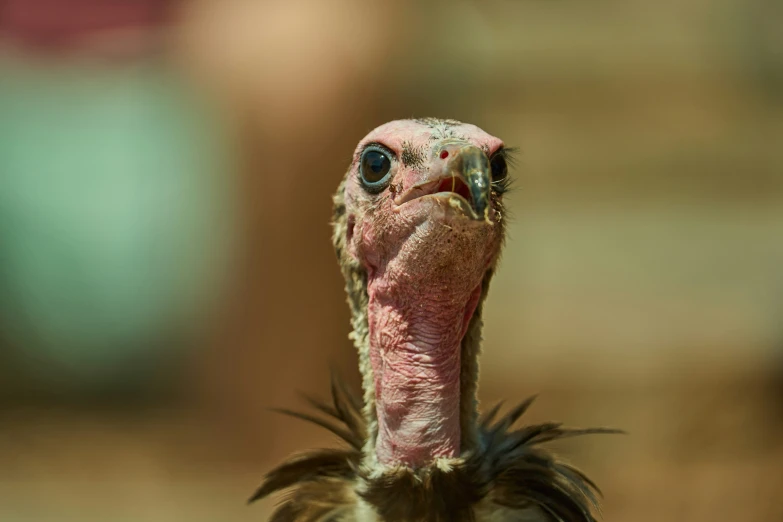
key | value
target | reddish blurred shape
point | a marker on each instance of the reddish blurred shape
(62, 25)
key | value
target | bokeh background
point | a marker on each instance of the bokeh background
(166, 273)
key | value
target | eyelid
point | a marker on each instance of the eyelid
(380, 147)
(509, 153)
(499, 151)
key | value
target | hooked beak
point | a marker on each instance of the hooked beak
(464, 173)
(472, 165)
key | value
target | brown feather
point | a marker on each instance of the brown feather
(348, 410)
(510, 472)
(351, 438)
(512, 416)
(318, 501)
(321, 406)
(488, 417)
(310, 466)
(428, 494)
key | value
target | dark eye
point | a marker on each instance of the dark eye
(499, 167)
(374, 168)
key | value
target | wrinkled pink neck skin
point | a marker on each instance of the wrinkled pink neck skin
(415, 338)
(425, 262)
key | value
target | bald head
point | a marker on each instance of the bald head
(413, 183)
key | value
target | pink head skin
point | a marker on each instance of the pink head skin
(426, 231)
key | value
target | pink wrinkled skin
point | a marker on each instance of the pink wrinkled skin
(425, 261)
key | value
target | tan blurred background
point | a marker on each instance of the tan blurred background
(166, 273)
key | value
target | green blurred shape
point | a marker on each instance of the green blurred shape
(113, 214)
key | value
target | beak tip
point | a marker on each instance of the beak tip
(480, 202)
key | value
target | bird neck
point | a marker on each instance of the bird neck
(416, 345)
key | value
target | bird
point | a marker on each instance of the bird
(418, 227)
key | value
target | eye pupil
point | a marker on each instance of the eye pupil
(376, 162)
(374, 169)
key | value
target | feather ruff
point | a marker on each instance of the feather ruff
(511, 474)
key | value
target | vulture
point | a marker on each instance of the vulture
(419, 222)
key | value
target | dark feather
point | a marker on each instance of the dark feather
(488, 417)
(522, 474)
(511, 417)
(351, 438)
(321, 406)
(315, 502)
(579, 480)
(510, 471)
(564, 433)
(348, 412)
(322, 481)
(287, 512)
(344, 411)
(429, 494)
(307, 467)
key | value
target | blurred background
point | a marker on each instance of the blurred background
(166, 272)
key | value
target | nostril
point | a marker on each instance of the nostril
(444, 154)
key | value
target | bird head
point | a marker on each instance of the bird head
(419, 190)
(418, 229)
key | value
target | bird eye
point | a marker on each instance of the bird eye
(499, 167)
(374, 169)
